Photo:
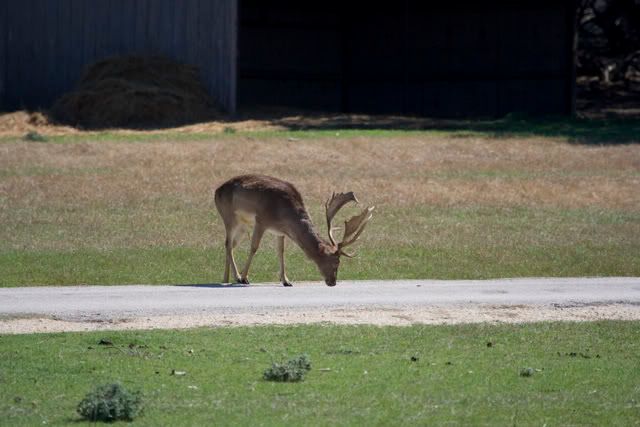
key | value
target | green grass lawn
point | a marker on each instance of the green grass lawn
(431, 243)
(584, 374)
(199, 266)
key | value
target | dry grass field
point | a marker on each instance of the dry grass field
(449, 204)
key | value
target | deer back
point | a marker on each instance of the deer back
(272, 200)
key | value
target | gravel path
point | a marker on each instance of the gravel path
(405, 302)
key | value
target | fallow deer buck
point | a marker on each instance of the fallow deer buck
(271, 204)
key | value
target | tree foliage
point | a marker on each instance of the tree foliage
(609, 39)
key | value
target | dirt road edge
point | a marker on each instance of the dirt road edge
(380, 316)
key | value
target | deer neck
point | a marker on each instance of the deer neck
(305, 236)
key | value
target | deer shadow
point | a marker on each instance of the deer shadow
(213, 285)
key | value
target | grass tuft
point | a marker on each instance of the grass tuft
(35, 137)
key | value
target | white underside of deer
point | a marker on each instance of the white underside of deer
(270, 204)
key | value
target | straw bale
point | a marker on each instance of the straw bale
(136, 91)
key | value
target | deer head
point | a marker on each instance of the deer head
(352, 230)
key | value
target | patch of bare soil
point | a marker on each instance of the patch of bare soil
(380, 316)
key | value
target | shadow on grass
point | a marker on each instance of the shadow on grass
(588, 131)
(576, 130)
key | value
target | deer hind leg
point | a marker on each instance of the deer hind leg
(234, 233)
(258, 232)
(283, 276)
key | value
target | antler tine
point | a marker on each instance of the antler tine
(333, 205)
(354, 227)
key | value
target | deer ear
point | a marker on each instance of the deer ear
(328, 248)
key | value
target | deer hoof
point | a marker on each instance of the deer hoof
(244, 281)
(287, 284)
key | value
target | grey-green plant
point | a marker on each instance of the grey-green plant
(527, 372)
(293, 370)
(110, 402)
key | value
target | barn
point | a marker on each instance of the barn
(429, 58)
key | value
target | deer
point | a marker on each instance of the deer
(271, 204)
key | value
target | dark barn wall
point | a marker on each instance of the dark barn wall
(451, 59)
(290, 53)
(3, 45)
(44, 44)
(3, 56)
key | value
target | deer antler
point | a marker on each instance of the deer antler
(333, 205)
(353, 228)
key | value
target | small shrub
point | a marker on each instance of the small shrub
(527, 372)
(229, 129)
(292, 371)
(35, 136)
(517, 116)
(110, 402)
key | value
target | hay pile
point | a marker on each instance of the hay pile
(136, 92)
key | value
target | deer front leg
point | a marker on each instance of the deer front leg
(283, 276)
(258, 232)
